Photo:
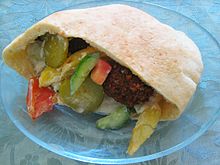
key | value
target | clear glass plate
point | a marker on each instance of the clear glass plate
(75, 136)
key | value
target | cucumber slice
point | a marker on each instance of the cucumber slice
(115, 120)
(82, 71)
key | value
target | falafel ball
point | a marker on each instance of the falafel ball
(125, 87)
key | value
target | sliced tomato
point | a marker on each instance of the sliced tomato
(100, 72)
(39, 100)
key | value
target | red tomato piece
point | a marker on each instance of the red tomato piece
(100, 72)
(39, 100)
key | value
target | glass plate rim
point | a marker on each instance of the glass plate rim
(166, 152)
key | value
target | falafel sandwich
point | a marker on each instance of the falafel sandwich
(115, 59)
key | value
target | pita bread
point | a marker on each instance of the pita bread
(162, 57)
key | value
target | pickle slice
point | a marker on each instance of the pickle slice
(86, 99)
(55, 50)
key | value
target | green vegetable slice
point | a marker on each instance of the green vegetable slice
(82, 71)
(86, 99)
(55, 50)
(115, 120)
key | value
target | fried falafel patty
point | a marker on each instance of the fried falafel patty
(125, 87)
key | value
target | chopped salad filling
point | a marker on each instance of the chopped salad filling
(71, 72)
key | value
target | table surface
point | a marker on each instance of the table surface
(16, 149)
